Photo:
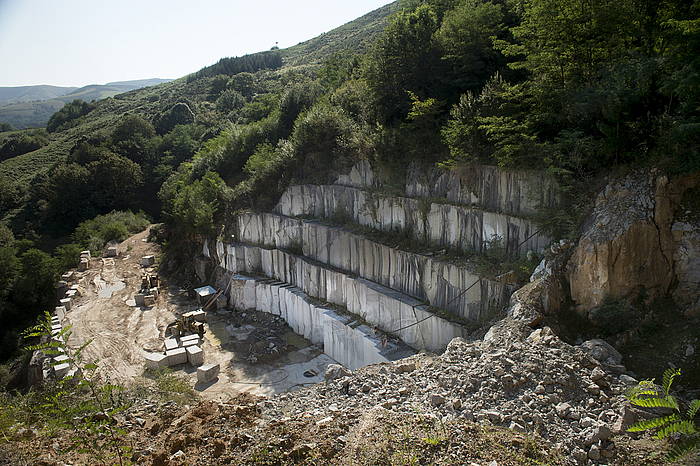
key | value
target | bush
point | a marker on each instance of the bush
(115, 226)
(66, 116)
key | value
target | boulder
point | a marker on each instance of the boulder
(336, 371)
(602, 351)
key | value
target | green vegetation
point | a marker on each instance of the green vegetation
(66, 115)
(572, 88)
(678, 423)
(22, 142)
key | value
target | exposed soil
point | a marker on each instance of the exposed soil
(258, 353)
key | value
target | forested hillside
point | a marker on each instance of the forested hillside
(572, 87)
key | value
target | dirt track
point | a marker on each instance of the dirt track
(240, 342)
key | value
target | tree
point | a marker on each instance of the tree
(230, 100)
(466, 38)
(130, 138)
(196, 206)
(67, 114)
(178, 114)
(404, 58)
(34, 288)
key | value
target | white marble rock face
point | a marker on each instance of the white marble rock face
(515, 192)
(444, 225)
(437, 282)
(343, 339)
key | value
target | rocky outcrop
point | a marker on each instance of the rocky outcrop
(628, 245)
(686, 258)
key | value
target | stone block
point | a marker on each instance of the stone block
(198, 315)
(60, 312)
(83, 265)
(71, 293)
(61, 359)
(195, 355)
(188, 343)
(85, 253)
(61, 370)
(207, 373)
(111, 251)
(155, 361)
(139, 299)
(147, 261)
(66, 303)
(171, 343)
(193, 337)
(176, 356)
(68, 276)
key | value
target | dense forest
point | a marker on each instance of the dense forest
(569, 86)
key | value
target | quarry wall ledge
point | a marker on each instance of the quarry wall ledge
(411, 320)
(516, 192)
(345, 339)
(444, 285)
(444, 225)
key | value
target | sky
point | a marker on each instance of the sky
(80, 42)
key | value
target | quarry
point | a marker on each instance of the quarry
(319, 317)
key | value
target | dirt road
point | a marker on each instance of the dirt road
(258, 353)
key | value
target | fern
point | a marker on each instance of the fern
(648, 395)
(668, 377)
(641, 426)
(693, 409)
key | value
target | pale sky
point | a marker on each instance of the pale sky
(80, 42)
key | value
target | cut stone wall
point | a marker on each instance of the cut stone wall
(389, 310)
(437, 282)
(348, 341)
(443, 225)
(515, 192)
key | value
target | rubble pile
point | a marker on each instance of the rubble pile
(529, 381)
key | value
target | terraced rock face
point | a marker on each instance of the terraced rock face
(424, 300)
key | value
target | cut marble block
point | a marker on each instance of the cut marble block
(198, 315)
(83, 265)
(156, 361)
(111, 251)
(176, 356)
(192, 337)
(147, 261)
(139, 299)
(187, 343)
(195, 355)
(71, 293)
(61, 359)
(149, 300)
(60, 312)
(207, 373)
(171, 343)
(66, 303)
(61, 370)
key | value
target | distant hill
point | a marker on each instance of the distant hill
(11, 95)
(32, 106)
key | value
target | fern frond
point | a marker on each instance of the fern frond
(693, 409)
(666, 402)
(653, 423)
(682, 427)
(669, 375)
(683, 448)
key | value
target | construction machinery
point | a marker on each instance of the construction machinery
(188, 323)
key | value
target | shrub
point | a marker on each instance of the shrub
(678, 424)
(115, 226)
